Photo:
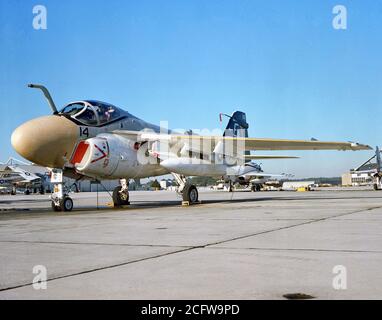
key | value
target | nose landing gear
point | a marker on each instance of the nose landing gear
(65, 204)
(60, 198)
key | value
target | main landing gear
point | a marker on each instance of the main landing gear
(189, 192)
(255, 188)
(121, 194)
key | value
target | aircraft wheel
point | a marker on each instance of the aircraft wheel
(120, 198)
(67, 204)
(190, 194)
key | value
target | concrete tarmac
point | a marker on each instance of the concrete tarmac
(231, 246)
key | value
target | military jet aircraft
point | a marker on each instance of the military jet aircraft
(97, 140)
(251, 175)
(375, 169)
(13, 176)
(255, 177)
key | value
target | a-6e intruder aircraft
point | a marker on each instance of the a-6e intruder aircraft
(97, 140)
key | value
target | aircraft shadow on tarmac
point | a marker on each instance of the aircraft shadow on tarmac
(22, 201)
(136, 205)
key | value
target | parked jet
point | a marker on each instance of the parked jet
(254, 177)
(97, 140)
(251, 174)
(13, 176)
(375, 169)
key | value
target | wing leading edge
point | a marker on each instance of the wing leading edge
(245, 143)
(267, 157)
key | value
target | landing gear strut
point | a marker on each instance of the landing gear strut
(121, 194)
(255, 187)
(189, 192)
(60, 198)
(378, 185)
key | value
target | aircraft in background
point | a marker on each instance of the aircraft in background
(252, 174)
(12, 176)
(255, 177)
(375, 170)
(89, 139)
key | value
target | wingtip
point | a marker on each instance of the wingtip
(366, 147)
(360, 146)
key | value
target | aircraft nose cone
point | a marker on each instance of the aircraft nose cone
(46, 141)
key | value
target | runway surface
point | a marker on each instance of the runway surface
(231, 246)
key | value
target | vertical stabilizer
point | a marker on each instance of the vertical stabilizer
(237, 125)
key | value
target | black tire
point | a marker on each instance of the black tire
(253, 188)
(190, 194)
(67, 204)
(27, 192)
(120, 198)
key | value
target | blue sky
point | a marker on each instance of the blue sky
(185, 61)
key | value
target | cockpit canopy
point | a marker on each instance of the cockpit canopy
(92, 112)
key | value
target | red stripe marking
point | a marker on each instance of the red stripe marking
(103, 154)
(79, 153)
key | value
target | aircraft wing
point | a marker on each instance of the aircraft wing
(283, 144)
(266, 157)
(245, 144)
(257, 174)
(261, 175)
(27, 176)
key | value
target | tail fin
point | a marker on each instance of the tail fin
(237, 125)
